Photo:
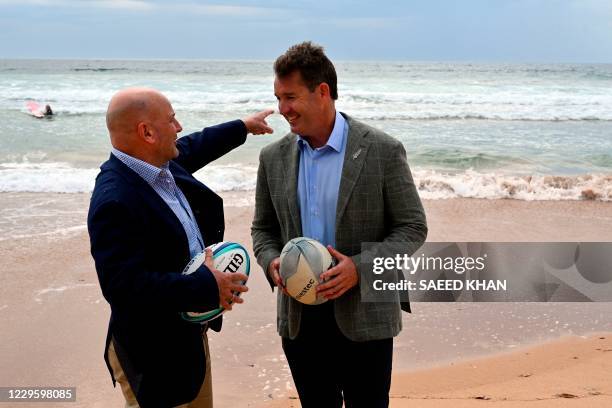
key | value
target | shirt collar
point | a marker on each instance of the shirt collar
(147, 171)
(336, 138)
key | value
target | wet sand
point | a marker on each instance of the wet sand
(570, 372)
(53, 317)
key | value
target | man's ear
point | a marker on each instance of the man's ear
(145, 133)
(323, 89)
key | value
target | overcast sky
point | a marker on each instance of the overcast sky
(438, 30)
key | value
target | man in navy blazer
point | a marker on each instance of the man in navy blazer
(148, 216)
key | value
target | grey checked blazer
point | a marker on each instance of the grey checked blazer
(377, 201)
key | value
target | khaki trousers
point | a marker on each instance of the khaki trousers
(204, 398)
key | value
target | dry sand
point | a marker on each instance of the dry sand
(53, 317)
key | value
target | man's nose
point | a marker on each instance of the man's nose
(283, 107)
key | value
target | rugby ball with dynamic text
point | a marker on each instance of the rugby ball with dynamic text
(302, 261)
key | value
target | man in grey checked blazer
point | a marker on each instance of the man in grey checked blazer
(339, 351)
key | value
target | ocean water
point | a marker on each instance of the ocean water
(529, 132)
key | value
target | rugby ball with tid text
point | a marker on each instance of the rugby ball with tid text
(227, 257)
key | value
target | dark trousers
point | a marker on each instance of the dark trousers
(328, 368)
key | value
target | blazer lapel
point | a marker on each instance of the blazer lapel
(290, 155)
(354, 158)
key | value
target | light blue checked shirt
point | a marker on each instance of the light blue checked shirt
(164, 185)
(319, 182)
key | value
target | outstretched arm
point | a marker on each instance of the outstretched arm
(200, 148)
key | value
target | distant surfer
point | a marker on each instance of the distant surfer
(36, 110)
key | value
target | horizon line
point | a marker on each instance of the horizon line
(271, 60)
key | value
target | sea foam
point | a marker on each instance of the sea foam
(434, 185)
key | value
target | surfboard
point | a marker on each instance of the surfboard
(34, 109)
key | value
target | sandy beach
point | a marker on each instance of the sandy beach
(53, 317)
(570, 372)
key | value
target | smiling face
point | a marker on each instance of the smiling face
(304, 110)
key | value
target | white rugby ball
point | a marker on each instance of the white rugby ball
(227, 257)
(302, 261)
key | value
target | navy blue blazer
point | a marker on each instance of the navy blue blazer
(140, 249)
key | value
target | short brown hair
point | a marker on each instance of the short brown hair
(311, 62)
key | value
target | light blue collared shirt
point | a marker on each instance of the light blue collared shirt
(319, 181)
(164, 185)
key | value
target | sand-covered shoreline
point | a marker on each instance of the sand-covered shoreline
(53, 317)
